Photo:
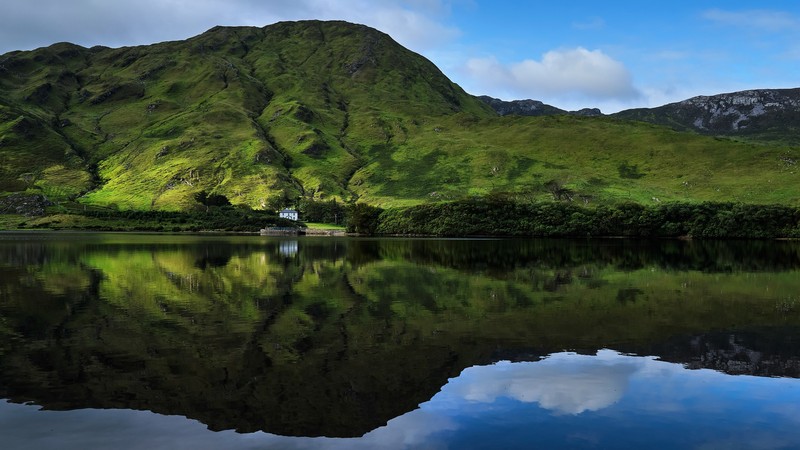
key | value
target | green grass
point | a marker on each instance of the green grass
(592, 157)
(12, 221)
(324, 226)
(329, 110)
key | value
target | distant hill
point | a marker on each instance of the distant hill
(321, 110)
(764, 114)
(532, 108)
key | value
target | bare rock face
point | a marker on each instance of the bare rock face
(532, 108)
(520, 107)
(587, 112)
(772, 114)
(24, 204)
(736, 110)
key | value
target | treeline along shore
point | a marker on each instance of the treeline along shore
(478, 216)
(507, 217)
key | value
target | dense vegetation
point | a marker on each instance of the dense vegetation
(496, 215)
(212, 218)
(508, 217)
(301, 112)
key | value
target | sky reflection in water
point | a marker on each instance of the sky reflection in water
(607, 400)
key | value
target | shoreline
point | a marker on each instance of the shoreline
(344, 234)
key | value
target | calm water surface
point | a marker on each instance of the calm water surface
(155, 341)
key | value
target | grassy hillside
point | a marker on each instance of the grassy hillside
(587, 160)
(266, 116)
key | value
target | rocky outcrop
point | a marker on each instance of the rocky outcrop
(24, 204)
(520, 107)
(772, 114)
(735, 111)
(587, 112)
(532, 108)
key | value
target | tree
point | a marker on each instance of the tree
(208, 200)
(322, 211)
(362, 218)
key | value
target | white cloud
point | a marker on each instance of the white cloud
(759, 19)
(571, 73)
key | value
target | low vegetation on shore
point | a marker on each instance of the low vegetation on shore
(479, 216)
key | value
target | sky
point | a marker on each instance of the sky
(611, 55)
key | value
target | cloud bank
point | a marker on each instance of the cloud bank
(573, 73)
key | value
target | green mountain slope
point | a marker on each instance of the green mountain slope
(266, 116)
(259, 115)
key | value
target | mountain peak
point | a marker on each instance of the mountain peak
(169, 119)
(534, 108)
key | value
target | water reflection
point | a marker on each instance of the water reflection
(562, 383)
(335, 337)
(566, 400)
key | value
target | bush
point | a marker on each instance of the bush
(362, 218)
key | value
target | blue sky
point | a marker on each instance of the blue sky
(612, 55)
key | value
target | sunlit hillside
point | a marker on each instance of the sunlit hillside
(320, 110)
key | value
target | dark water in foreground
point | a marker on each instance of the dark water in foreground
(146, 341)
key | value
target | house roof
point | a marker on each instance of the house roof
(289, 210)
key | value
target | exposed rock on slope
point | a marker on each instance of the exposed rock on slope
(532, 108)
(763, 114)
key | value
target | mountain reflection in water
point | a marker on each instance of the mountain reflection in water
(566, 400)
(353, 338)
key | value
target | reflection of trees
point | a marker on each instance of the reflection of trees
(501, 255)
(345, 334)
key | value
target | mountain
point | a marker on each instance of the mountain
(323, 110)
(763, 114)
(532, 108)
(770, 115)
(256, 114)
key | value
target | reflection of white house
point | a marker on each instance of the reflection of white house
(288, 248)
(290, 214)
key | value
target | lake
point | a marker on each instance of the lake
(147, 341)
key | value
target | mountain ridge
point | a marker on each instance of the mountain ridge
(323, 110)
(761, 114)
(765, 114)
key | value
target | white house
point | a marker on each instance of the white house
(290, 214)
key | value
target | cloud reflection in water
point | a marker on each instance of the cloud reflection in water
(565, 383)
(581, 401)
